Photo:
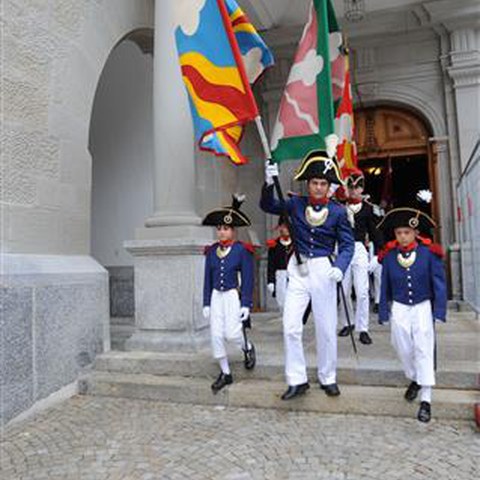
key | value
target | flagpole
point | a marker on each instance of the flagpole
(278, 187)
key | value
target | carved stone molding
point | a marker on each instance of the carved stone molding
(465, 76)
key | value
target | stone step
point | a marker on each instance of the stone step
(254, 393)
(368, 372)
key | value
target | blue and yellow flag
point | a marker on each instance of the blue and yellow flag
(220, 55)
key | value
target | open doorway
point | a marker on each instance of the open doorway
(393, 182)
(396, 156)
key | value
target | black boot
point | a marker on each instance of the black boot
(331, 390)
(365, 338)
(412, 391)
(375, 308)
(345, 331)
(250, 357)
(223, 380)
(295, 390)
(424, 412)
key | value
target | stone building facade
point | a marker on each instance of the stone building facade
(100, 178)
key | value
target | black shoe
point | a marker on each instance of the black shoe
(331, 390)
(375, 308)
(295, 390)
(365, 338)
(424, 412)
(412, 391)
(250, 357)
(345, 331)
(222, 381)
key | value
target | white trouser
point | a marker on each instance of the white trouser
(280, 287)
(225, 323)
(413, 339)
(377, 282)
(316, 285)
(357, 273)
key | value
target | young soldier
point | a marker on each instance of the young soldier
(361, 217)
(413, 297)
(318, 225)
(225, 261)
(279, 250)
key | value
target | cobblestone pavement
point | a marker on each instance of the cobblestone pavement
(102, 438)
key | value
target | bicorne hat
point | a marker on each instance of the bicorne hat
(409, 216)
(317, 164)
(229, 215)
(355, 179)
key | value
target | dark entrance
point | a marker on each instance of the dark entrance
(394, 181)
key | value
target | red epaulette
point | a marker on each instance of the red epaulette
(386, 249)
(207, 248)
(249, 246)
(436, 249)
(272, 242)
(424, 240)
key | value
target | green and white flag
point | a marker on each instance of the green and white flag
(314, 87)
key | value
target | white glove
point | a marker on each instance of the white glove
(373, 264)
(244, 313)
(335, 274)
(271, 170)
(271, 287)
(206, 312)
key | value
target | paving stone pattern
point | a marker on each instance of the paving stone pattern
(95, 438)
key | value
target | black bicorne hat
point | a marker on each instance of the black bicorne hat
(355, 179)
(317, 164)
(229, 215)
(409, 216)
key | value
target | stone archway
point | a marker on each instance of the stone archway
(387, 136)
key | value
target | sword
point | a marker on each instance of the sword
(347, 315)
(342, 294)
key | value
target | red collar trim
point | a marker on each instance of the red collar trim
(408, 248)
(317, 201)
(354, 201)
(226, 243)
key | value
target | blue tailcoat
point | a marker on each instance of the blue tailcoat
(222, 273)
(314, 241)
(424, 280)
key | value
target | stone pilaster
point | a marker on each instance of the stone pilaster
(168, 251)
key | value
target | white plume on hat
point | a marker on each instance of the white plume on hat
(424, 196)
(331, 143)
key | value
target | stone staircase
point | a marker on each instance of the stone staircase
(371, 384)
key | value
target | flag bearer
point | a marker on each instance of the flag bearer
(226, 261)
(362, 219)
(413, 297)
(279, 250)
(318, 225)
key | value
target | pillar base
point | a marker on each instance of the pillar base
(169, 275)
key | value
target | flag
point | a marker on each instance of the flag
(315, 87)
(344, 123)
(220, 54)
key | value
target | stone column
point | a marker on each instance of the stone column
(168, 251)
(174, 168)
(465, 72)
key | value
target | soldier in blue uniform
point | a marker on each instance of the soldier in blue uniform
(318, 225)
(413, 297)
(226, 261)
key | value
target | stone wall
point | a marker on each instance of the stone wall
(54, 296)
